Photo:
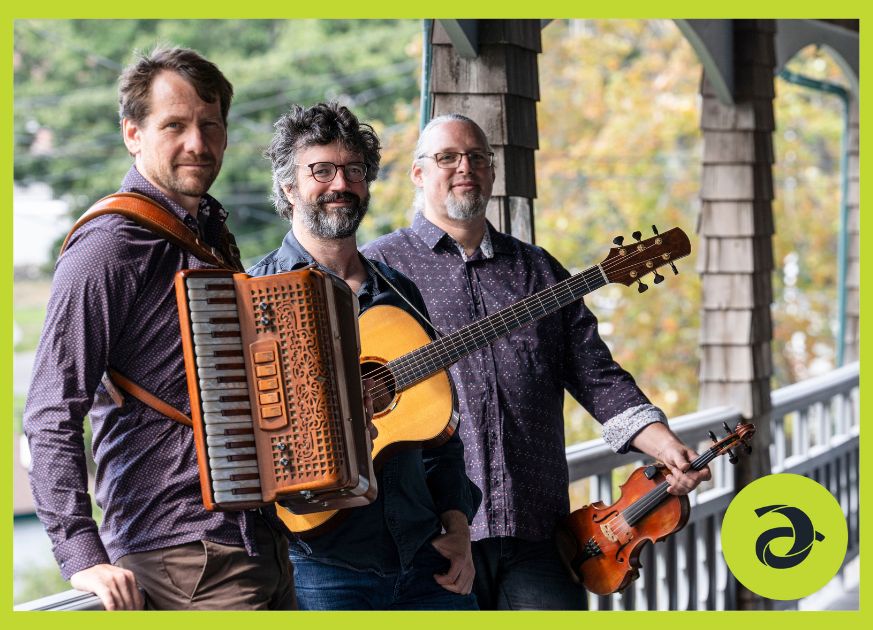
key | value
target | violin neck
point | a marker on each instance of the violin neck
(653, 498)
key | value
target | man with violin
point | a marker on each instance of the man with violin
(511, 392)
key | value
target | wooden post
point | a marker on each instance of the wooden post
(498, 89)
(735, 258)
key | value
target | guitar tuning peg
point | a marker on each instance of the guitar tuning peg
(658, 278)
(712, 437)
(618, 240)
(655, 230)
(643, 287)
(637, 235)
(673, 267)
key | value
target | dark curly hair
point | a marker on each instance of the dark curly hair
(135, 82)
(320, 124)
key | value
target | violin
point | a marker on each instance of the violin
(602, 544)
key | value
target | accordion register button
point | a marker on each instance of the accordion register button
(265, 370)
(268, 399)
(265, 357)
(267, 384)
(271, 411)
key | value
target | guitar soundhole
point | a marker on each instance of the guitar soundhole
(384, 390)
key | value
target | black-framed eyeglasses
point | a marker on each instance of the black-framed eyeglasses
(452, 159)
(325, 172)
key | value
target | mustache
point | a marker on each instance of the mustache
(333, 197)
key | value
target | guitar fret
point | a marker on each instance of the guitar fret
(445, 351)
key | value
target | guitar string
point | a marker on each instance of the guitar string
(408, 365)
(464, 335)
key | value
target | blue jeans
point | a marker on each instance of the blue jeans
(322, 586)
(516, 574)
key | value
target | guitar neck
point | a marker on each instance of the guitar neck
(423, 362)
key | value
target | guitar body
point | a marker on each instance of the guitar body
(422, 415)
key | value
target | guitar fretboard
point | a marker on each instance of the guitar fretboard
(438, 355)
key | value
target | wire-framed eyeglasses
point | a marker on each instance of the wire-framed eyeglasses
(325, 172)
(452, 159)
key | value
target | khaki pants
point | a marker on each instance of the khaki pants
(204, 575)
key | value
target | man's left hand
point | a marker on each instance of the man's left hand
(454, 545)
(661, 443)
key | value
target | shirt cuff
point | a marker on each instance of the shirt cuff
(619, 430)
(79, 553)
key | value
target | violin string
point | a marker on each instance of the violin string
(642, 505)
(404, 371)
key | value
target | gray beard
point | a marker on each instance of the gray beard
(470, 206)
(333, 224)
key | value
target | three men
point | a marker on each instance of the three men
(511, 393)
(113, 306)
(410, 549)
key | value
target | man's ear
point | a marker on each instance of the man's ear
(416, 175)
(130, 132)
(288, 189)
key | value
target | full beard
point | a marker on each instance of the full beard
(469, 206)
(333, 223)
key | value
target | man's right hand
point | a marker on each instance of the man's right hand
(116, 587)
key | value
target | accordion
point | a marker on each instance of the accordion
(275, 384)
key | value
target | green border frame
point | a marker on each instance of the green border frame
(53, 9)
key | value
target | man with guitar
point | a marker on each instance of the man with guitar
(410, 548)
(511, 392)
(113, 310)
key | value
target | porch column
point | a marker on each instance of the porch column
(853, 270)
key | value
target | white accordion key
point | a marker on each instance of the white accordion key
(203, 283)
(223, 428)
(230, 497)
(220, 418)
(231, 474)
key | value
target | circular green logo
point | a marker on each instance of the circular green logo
(784, 536)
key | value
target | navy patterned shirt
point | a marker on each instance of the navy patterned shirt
(415, 486)
(113, 304)
(512, 392)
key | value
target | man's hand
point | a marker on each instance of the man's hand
(455, 546)
(661, 443)
(369, 386)
(116, 587)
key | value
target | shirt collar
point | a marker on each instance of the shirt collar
(210, 211)
(493, 240)
(292, 255)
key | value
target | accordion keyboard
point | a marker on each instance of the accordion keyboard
(226, 409)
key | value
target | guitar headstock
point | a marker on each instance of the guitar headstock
(627, 264)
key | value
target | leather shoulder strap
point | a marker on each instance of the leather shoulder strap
(156, 218)
(145, 396)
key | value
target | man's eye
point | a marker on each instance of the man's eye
(476, 157)
(447, 158)
(321, 170)
(355, 171)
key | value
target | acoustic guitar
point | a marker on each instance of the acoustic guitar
(415, 403)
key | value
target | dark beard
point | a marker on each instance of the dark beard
(334, 223)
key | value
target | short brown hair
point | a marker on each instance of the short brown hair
(135, 83)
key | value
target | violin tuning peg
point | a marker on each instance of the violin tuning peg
(726, 427)
(658, 278)
(655, 230)
(673, 267)
(643, 287)
(712, 437)
(747, 448)
(618, 240)
(637, 235)
(732, 457)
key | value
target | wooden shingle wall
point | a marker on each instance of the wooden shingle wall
(853, 271)
(498, 89)
(735, 256)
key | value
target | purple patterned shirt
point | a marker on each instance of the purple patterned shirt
(512, 392)
(113, 304)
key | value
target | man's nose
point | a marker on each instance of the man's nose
(339, 181)
(464, 166)
(195, 141)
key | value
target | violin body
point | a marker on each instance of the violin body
(605, 556)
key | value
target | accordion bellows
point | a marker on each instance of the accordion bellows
(275, 384)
